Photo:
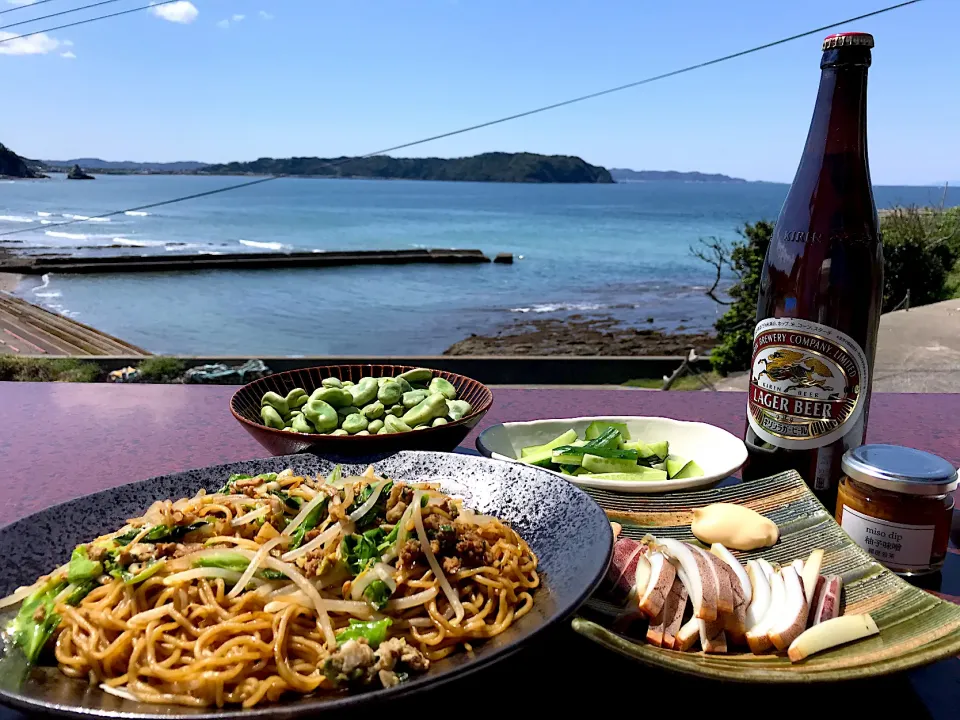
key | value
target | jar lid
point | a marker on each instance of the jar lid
(900, 469)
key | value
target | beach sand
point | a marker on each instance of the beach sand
(9, 281)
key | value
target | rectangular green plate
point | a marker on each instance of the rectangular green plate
(916, 628)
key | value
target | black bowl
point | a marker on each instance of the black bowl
(565, 528)
(245, 406)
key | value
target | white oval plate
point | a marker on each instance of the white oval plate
(719, 453)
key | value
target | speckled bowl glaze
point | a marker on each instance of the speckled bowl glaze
(245, 406)
(565, 528)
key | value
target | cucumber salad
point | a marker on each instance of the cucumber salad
(607, 451)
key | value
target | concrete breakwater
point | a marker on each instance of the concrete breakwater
(236, 261)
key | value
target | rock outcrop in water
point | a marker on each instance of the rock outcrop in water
(488, 167)
(78, 174)
(12, 165)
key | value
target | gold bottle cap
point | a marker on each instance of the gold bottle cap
(849, 39)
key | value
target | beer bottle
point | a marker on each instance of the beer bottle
(818, 311)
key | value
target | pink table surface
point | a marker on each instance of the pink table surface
(61, 441)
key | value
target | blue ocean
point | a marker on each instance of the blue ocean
(619, 251)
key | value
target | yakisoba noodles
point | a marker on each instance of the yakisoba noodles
(278, 584)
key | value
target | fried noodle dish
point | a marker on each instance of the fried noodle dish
(278, 584)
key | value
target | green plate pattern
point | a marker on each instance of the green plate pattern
(916, 628)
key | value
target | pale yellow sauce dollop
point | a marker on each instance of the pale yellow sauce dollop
(735, 526)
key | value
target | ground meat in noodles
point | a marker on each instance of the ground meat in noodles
(356, 662)
(472, 549)
(395, 513)
(411, 553)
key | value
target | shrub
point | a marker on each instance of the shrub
(161, 369)
(27, 369)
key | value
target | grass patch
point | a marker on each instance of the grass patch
(687, 382)
(161, 369)
(25, 369)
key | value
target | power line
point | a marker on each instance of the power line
(527, 113)
(58, 14)
(22, 7)
(89, 20)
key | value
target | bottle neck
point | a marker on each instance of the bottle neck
(839, 125)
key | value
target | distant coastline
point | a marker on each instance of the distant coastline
(626, 175)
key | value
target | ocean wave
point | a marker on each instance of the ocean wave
(46, 222)
(179, 246)
(559, 307)
(15, 218)
(139, 243)
(265, 245)
(136, 213)
(40, 213)
(85, 218)
(65, 235)
(54, 294)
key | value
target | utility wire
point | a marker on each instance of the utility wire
(57, 14)
(90, 20)
(527, 113)
(22, 7)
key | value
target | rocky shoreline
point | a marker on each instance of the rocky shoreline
(581, 336)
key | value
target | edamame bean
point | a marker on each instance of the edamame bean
(437, 422)
(363, 432)
(404, 385)
(301, 425)
(421, 427)
(346, 383)
(334, 397)
(457, 409)
(277, 402)
(339, 432)
(419, 375)
(331, 382)
(271, 418)
(354, 423)
(364, 392)
(444, 387)
(345, 411)
(373, 411)
(412, 398)
(395, 410)
(375, 426)
(389, 393)
(383, 431)
(434, 406)
(395, 425)
(321, 414)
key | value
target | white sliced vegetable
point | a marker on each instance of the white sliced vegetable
(661, 577)
(728, 557)
(760, 587)
(369, 502)
(830, 634)
(699, 582)
(450, 593)
(320, 540)
(250, 516)
(757, 636)
(254, 565)
(811, 572)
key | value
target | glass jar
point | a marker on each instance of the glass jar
(896, 504)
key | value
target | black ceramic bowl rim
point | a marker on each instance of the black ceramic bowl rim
(327, 370)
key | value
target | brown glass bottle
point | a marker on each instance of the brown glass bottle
(821, 287)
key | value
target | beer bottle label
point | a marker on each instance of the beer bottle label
(807, 383)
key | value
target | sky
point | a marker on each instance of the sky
(221, 80)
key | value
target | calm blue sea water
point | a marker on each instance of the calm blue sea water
(605, 250)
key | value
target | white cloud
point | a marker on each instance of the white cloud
(39, 44)
(223, 24)
(68, 55)
(67, 43)
(238, 18)
(182, 11)
(265, 15)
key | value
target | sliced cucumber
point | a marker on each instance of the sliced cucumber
(560, 458)
(645, 475)
(690, 470)
(565, 439)
(597, 428)
(675, 464)
(597, 464)
(661, 449)
(572, 450)
(541, 458)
